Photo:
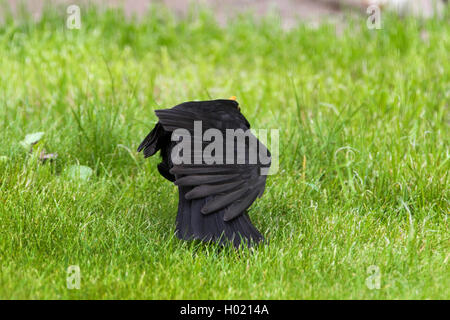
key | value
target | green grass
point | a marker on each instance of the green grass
(367, 109)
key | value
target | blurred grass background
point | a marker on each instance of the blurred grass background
(364, 155)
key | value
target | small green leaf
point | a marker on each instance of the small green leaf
(31, 139)
(79, 172)
(25, 145)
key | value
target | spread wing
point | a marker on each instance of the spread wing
(229, 187)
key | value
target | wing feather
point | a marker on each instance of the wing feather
(224, 200)
(206, 190)
(195, 180)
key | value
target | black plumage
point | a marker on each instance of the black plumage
(213, 198)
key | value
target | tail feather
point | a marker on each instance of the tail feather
(192, 224)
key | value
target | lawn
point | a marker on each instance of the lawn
(357, 210)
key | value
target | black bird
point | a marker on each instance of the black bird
(213, 196)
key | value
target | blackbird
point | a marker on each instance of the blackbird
(213, 195)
